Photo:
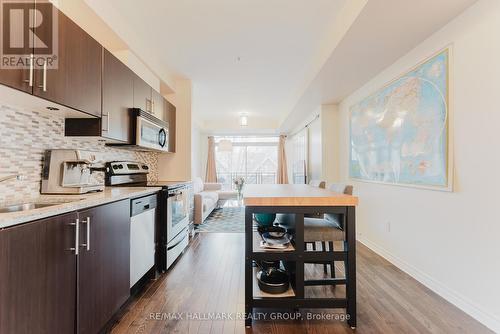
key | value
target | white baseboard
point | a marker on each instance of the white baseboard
(477, 312)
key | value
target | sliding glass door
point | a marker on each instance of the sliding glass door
(253, 158)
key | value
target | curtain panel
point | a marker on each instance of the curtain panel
(211, 174)
(282, 176)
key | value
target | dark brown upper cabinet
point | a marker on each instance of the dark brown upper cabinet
(38, 276)
(117, 99)
(76, 83)
(142, 95)
(19, 77)
(16, 78)
(158, 108)
(169, 112)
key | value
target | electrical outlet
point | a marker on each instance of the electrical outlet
(388, 226)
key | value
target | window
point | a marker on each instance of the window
(299, 143)
(253, 158)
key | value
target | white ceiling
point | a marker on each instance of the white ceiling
(384, 31)
(276, 60)
(275, 40)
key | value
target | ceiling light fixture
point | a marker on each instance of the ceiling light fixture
(243, 120)
(225, 145)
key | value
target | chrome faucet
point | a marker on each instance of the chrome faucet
(17, 176)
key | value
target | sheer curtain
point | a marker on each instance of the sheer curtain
(211, 174)
(282, 177)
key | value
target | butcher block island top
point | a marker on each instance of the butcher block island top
(294, 195)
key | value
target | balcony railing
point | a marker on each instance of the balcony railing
(227, 178)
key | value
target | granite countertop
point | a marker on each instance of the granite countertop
(69, 203)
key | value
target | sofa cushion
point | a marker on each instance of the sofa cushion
(197, 185)
(210, 199)
(225, 195)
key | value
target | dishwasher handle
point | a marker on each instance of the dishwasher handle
(140, 205)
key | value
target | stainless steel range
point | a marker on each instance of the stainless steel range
(175, 204)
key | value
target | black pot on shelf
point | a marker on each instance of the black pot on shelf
(266, 264)
(274, 231)
(273, 280)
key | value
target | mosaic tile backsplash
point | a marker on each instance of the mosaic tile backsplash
(24, 137)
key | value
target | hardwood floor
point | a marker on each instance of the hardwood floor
(209, 278)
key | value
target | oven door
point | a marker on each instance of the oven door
(177, 212)
(151, 135)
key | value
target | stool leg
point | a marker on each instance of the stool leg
(332, 264)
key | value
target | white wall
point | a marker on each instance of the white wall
(177, 166)
(448, 240)
(202, 160)
(199, 147)
(314, 158)
(323, 144)
(330, 164)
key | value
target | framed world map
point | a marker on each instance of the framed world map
(399, 135)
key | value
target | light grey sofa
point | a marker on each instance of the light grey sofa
(206, 197)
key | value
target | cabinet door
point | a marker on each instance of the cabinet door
(17, 77)
(142, 94)
(103, 266)
(117, 99)
(170, 112)
(38, 277)
(76, 83)
(158, 107)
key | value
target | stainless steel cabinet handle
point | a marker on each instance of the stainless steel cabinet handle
(30, 80)
(45, 75)
(77, 236)
(87, 243)
(105, 118)
(44, 80)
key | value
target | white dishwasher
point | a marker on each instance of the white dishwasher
(142, 236)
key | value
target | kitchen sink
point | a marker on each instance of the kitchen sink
(30, 206)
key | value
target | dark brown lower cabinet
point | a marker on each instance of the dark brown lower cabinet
(46, 288)
(37, 277)
(103, 266)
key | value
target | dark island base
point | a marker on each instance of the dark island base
(293, 217)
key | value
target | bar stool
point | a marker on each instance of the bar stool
(318, 184)
(327, 229)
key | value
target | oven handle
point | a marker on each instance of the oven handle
(178, 242)
(175, 193)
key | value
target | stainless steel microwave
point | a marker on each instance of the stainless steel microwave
(150, 134)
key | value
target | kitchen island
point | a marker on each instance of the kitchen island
(291, 203)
